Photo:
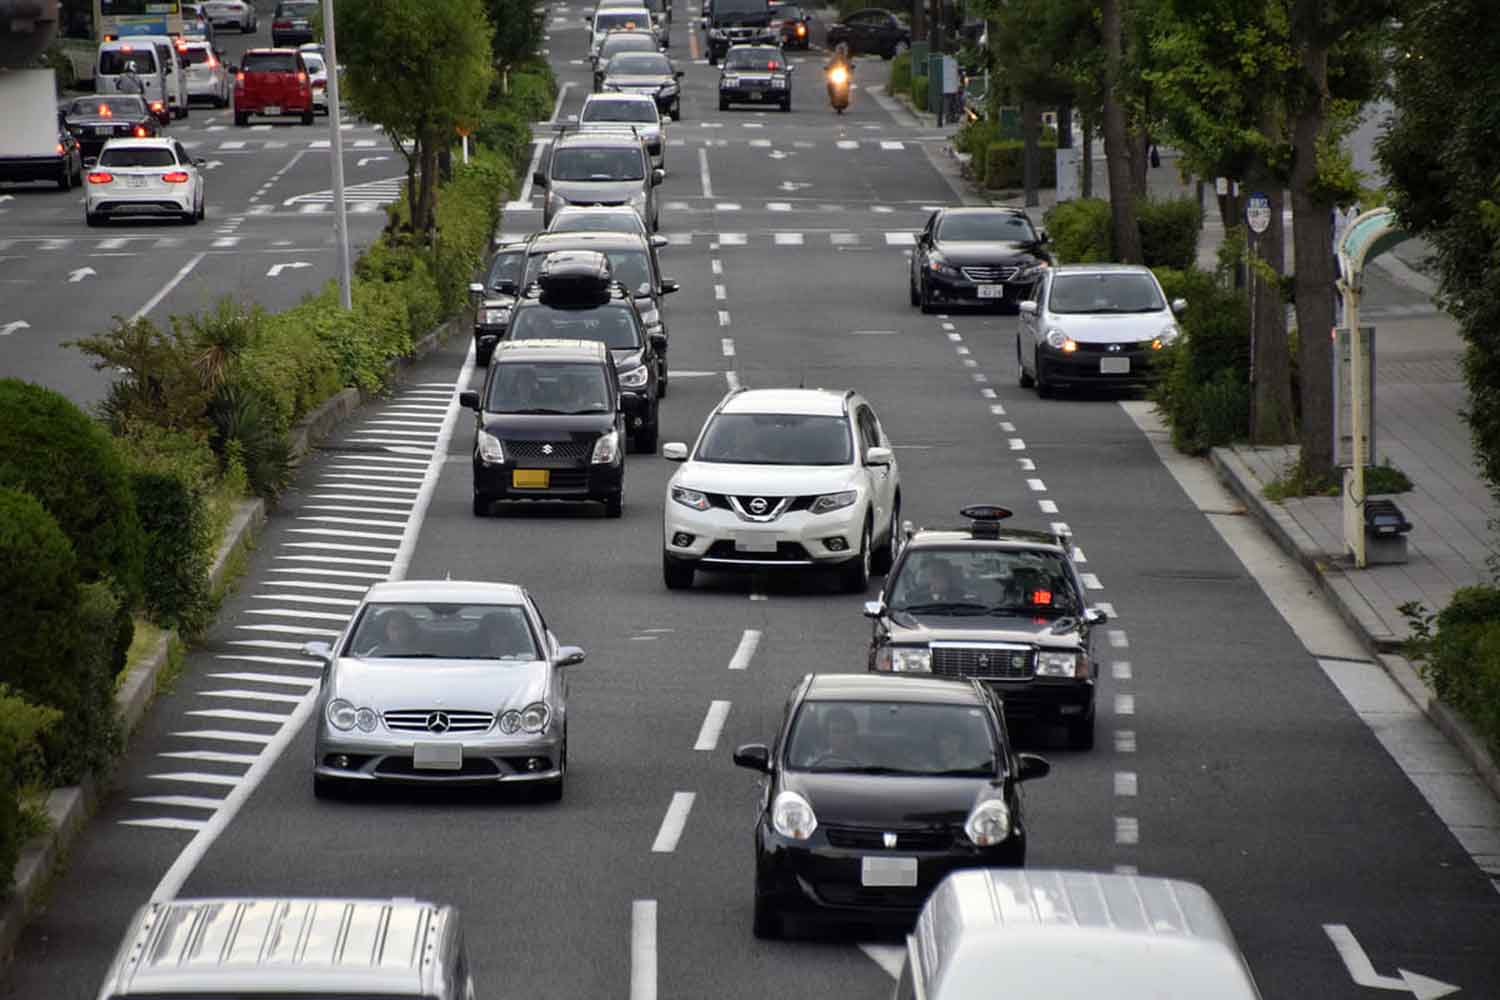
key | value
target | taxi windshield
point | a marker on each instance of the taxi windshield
(417, 631)
(753, 60)
(893, 738)
(983, 581)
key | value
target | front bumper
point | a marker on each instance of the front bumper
(1094, 364)
(389, 758)
(244, 106)
(963, 291)
(717, 539)
(815, 878)
(567, 480)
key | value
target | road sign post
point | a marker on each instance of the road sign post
(336, 152)
(1258, 219)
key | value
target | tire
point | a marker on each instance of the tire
(922, 301)
(723, 104)
(675, 573)
(307, 117)
(885, 556)
(767, 923)
(911, 290)
(202, 210)
(614, 505)
(482, 358)
(854, 576)
(482, 505)
(645, 439)
(92, 219)
(65, 179)
(786, 105)
(1081, 733)
(1025, 379)
(241, 118)
(661, 383)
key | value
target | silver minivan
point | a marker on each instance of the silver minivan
(174, 63)
(1040, 934)
(228, 949)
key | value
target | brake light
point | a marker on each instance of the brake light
(105, 112)
(100, 177)
(59, 149)
(1042, 598)
(213, 61)
(140, 131)
(801, 29)
(239, 78)
(773, 64)
(281, 24)
(126, 48)
(181, 177)
(156, 105)
(319, 84)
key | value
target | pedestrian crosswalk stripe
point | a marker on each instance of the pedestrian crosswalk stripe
(891, 144)
(848, 144)
(787, 239)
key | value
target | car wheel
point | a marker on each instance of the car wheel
(614, 504)
(241, 118)
(307, 117)
(247, 29)
(885, 556)
(65, 179)
(767, 925)
(482, 505)
(1025, 377)
(661, 381)
(482, 357)
(93, 219)
(786, 105)
(911, 290)
(855, 574)
(677, 574)
(923, 302)
(676, 114)
(645, 438)
(1081, 733)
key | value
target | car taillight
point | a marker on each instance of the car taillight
(156, 105)
(773, 64)
(105, 112)
(59, 149)
(239, 78)
(175, 177)
(100, 177)
(140, 131)
(281, 24)
(801, 29)
(319, 84)
(213, 61)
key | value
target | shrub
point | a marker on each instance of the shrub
(1169, 232)
(155, 379)
(57, 60)
(1461, 655)
(90, 735)
(531, 94)
(467, 212)
(1079, 230)
(246, 425)
(900, 81)
(1204, 393)
(919, 92)
(22, 724)
(508, 132)
(1005, 164)
(54, 451)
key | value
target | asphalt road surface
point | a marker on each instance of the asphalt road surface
(1226, 754)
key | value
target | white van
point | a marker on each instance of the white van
(1039, 934)
(174, 63)
(117, 55)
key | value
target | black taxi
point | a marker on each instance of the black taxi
(755, 74)
(1004, 606)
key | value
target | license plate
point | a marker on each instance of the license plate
(272, 109)
(531, 479)
(754, 541)
(756, 95)
(135, 182)
(1114, 366)
(299, 24)
(888, 872)
(992, 291)
(437, 756)
(105, 131)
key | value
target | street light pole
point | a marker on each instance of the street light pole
(336, 150)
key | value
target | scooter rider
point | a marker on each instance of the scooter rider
(840, 73)
(840, 57)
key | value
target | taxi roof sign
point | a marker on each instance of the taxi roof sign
(986, 518)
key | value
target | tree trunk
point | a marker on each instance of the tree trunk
(1086, 126)
(1312, 250)
(1065, 127)
(1140, 147)
(429, 186)
(1125, 232)
(1271, 412)
(918, 19)
(413, 196)
(1031, 128)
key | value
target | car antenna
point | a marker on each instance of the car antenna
(802, 380)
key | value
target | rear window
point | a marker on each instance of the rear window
(313, 61)
(296, 10)
(753, 59)
(613, 325)
(269, 62)
(196, 56)
(107, 107)
(640, 63)
(605, 164)
(613, 20)
(137, 156)
(113, 62)
(638, 112)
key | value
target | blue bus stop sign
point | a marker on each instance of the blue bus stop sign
(1258, 213)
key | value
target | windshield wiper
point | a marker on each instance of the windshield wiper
(942, 608)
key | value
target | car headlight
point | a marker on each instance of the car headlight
(495, 317)
(635, 378)
(1061, 665)
(607, 448)
(1168, 335)
(904, 659)
(490, 451)
(829, 502)
(366, 720)
(729, 81)
(1032, 271)
(638, 200)
(342, 714)
(1059, 341)
(690, 498)
(556, 199)
(534, 717)
(792, 816)
(988, 824)
(941, 266)
(715, 32)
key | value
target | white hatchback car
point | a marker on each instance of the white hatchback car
(144, 177)
(207, 77)
(317, 72)
(784, 479)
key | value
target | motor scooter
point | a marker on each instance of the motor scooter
(838, 87)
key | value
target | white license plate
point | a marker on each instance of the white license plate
(754, 541)
(437, 756)
(299, 24)
(273, 110)
(135, 182)
(992, 291)
(888, 872)
(1114, 366)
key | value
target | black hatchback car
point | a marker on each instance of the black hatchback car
(755, 74)
(95, 120)
(495, 297)
(875, 789)
(872, 32)
(548, 426)
(977, 257)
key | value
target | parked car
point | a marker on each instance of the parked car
(273, 83)
(870, 32)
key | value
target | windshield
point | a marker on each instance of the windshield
(269, 62)
(741, 12)
(996, 228)
(611, 20)
(975, 581)
(108, 107)
(612, 325)
(313, 61)
(1104, 293)
(197, 55)
(639, 112)
(443, 631)
(789, 12)
(752, 59)
(624, 221)
(113, 62)
(640, 64)
(623, 42)
(776, 439)
(630, 268)
(137, 156)
(505, 270)
(600, 164)
(548, 387)
(891, 738)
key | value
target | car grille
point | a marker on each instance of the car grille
(722, 501)
(472, 767)
(789, 552)
(557, 449)
(985, 662)
(870, 839)
(417, 720)
(1120, 348)
(985, 273)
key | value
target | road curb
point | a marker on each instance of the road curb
(69, 809)
(1383, 647)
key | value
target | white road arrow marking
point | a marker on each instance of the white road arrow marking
(777, 154)
(13, 326)
(83, 272)
(276, 269)
(1364, 974)
(370, 159)
(794, 185)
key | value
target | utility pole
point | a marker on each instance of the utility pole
(336, 150)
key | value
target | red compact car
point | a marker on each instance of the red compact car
(272, 83)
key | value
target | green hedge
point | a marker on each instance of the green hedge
(1461, 656)
(1005, 165)
(1204, 394)
(900, 81)
(919, 92)
(22, 725)
(1081, 231)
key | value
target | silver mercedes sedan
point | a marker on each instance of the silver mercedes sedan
(442, 681)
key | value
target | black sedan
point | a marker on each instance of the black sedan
(645, 73)
(96, 120)
(977, 257)
(876, 789)
(872, 32)
(755, 74)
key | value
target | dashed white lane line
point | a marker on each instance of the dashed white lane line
(997, 410)
(1078, 556)
(963, 351)
(1007, 427)
(723, 317)
(749, 642)
(720, 293)
(673, 823)
(708, 192)
(1017, 444)
(1107, 608)
(716, 265)
(1127, 830)
(757, 597)
(1120, 670)
(196, 778)
(713, 726)
(643, 949)
(732, 379)
(987, 393)
(212, 756)
(1027, 465)
(1036, 485)
(1126, 784)
(1127, 870)
(1060, 528)
(1124, 704)
(1125, 741)
(1047, 506)
(1118, 639)
(1092, 583)
(787, 239)
(726, 344)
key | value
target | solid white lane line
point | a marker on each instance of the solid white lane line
(213, 756)
(643, 949)
(181, 801)
(1125, 783)
(284, 680)
(727, 345)
(345, 574)
(1124, 704)
(227, 735)
(381, 563)
(713, 725)
(1120, 670)
(1125, 741)
(708, 185)
(346, 588)
(1127, 830)
(336, 602)
(166, 289)
(746, 649)
(673, 822)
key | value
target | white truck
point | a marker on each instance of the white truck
(34, 145)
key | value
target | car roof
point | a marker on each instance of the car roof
(594, 210)
(280, 50)
(755, 46)
(631, 32)
(1101, 269)
(618, 98)
(1076, 933)
(601, 241)
(807, 402)
(885, 687)
(465, 591)
(150, 142)
(1007, 538)
(585, 136)
(550, 349)
(982, 210)
(197, 43)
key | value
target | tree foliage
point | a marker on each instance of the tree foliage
(517, 30)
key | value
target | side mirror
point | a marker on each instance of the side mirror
(659, 343)
(469, 401)
(1179, 306)
(568, 656)
(1028, 307)
(874, 609)
(879, 456)
(674, 451)
(755, 756)
(1094, 616)
(539, 179)
(678, 74)
(232, 68)
(657, 176)
(475, 288)
(658, 241)
(91, 162)
(320, 650)
(506, 287)
(669, 285)
(1032, 766)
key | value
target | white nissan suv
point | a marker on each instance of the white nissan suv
(784, 479)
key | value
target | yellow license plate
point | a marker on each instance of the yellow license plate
(530, 479)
